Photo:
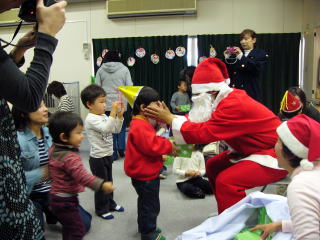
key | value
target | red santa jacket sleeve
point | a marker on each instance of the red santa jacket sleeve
(231, 119)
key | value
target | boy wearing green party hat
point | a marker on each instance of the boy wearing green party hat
(143, 159)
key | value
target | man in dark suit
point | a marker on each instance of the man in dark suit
(245, 64)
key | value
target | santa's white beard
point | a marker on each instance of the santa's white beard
(202, 108)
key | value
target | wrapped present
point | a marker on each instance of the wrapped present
(183, 150)
(168, 160)
(185, 108)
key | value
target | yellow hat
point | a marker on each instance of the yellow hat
(130, 93)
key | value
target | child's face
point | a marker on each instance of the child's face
(247, 42)
(183, 86)
(98, 106)
(76, 136)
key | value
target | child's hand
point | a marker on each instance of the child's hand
(120, 110)
(190, 173)
(164, 158)
(174, 149)
(114, 109)
(107, 187)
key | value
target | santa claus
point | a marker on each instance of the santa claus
(223, 113)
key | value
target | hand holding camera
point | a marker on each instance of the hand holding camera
(50, 19)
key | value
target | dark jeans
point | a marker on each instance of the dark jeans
(102, 167)
(148, 207)
(195, 187)
(119, 141)
(41, 202)
(75, 221)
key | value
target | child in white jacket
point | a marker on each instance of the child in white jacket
(190, 172)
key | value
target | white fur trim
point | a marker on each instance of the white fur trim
(264, 160)
(176, 126)
(207, 87)
(223, 93)
(306, 165)
(291, 141)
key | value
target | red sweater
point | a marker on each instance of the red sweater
(144, 151)
(67, 171)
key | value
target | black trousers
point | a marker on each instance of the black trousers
(102, 167)
(195, 187)
(148, 207)
(41, 202)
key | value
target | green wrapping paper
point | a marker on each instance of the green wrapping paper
(245, 234)
(184, 108)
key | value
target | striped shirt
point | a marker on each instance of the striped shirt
(43, 186)
(66, 104)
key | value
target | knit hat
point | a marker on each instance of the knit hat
(290, 103)
(210, 75)
(130, 93)
(301, 135)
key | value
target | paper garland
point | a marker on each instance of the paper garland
(170, 54)
(99, 61)
(140, 52)
(213, 52)
(202, 58)
(131, 61)
(155, 58)
(180, 51)
(104, 51)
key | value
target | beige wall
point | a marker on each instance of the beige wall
(311, 20)
(88, 20)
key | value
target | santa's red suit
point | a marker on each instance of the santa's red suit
(247, 126)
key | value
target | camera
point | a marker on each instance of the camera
(28, 9)
(231, 50)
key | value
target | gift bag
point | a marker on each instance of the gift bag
(245, 234)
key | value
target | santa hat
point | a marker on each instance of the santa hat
(301, 135)
(210, 75)
(290, 103)
(130, 92)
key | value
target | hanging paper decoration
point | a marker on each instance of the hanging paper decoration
(99, 61)
(213, 52)
(131, 61)
(170, 54)
(202, 58)
(155, 58)
(180, 51)
(140, 52)
(104, 51)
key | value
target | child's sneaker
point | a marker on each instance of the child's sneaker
(160, 237)
(107, 216)
(118, 208)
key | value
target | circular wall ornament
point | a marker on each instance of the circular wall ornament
(140, 52)
(155, 58)
(180, 51)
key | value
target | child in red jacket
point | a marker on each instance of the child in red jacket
(143, 162)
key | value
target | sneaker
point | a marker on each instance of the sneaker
(160, 237)
(118, 208)
(107, 216)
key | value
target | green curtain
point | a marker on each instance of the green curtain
(282, 69)
(162, 76)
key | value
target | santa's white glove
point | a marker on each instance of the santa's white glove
(226, 55)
